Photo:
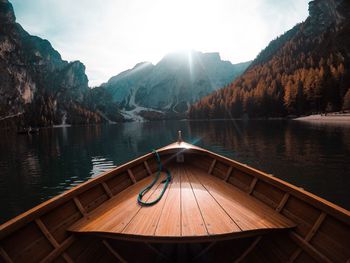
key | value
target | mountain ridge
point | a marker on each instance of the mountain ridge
(177, 80)
(303, 71)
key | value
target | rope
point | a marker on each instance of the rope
(148, 187)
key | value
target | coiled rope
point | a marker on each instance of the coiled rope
(148, 187)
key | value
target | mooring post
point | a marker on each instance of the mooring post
(179, 138)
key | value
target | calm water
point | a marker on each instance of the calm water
(38, 167)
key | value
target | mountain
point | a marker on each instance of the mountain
(171, 85)
(37, 87)
(305, 70)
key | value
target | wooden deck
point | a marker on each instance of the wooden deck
(196, 206)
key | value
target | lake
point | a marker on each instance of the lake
(34, 168)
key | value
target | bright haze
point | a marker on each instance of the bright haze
(111, 36)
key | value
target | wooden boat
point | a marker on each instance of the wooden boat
(214, 210)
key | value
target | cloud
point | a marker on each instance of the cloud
(112, 35)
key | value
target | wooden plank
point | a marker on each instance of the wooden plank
(80, 206)
(205, 250)
(252, 185)
(46, 232)
(309, 236)
(107, 190)
(295, 255)
(169, 223)
(282, 203)
(131, 175)
(113, 251)
(5, 256)
(248, 250)
(307, 247)
(145, 163)
(59, 250)
(146, 219)
(160, 254)
(215, 218)
(117, 212)
(315, 227)
(192, 223)
(67, 258)
(228, 173)
(248, 213)
(51, 239)
(212, 166)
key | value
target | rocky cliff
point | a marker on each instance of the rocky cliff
(37, 87)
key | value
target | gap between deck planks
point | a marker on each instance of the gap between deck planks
(195, 204)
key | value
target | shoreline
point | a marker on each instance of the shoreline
(326, 118)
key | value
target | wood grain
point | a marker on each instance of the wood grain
(195, 204)
(146, 219)
(247, 212)
(115, 213)
(215, 218)
(169, 223)
(192, 223)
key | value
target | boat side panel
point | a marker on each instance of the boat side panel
(302, 213)
(268, 194)
(60, 260)
(152, 164)
(79, 246)
(60, 218)
(305, 257)
(275, 248)
(333, 240)
(89, 252)
(283, 244)
(27, 245)
(220, 170)
(93, 198)
(119, 183)
(139, 172)
(202, 161)
(240, 179)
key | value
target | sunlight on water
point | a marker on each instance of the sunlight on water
(99, 165)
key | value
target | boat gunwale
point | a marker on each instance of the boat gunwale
(35, 212)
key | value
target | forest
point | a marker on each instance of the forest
(298, 73)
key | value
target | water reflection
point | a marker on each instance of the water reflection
(35, 168)
(100, 165)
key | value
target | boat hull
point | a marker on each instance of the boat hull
(321, 230)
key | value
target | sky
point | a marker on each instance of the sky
(111, 36)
